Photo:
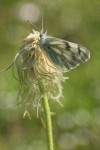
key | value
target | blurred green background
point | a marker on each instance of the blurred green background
(76, 126)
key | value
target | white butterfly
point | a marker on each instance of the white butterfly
(63, 53)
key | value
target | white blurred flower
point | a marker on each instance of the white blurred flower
(28, 11)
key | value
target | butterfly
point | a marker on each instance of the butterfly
(63, 53)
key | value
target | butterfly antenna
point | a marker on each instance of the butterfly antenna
(33, 25)
(42, 25)
(46, 32)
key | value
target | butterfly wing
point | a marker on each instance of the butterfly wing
(66, 55)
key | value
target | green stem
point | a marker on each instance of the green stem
(47, 116)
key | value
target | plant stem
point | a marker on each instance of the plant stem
(47, 116)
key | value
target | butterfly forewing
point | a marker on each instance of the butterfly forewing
(65, 54)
